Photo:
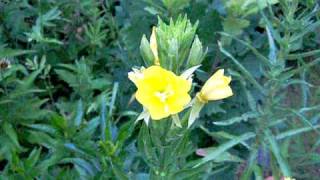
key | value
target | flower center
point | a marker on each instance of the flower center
(164, 94)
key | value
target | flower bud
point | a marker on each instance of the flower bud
(149, 50)
(146, 52)
(154, 46)
(196, 53)
(216, 88)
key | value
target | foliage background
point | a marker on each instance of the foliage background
(66, 109)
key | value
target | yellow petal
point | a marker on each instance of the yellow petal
(217, 80)
(217, 75)
(218, 94)
(154, 71)
(183, 85)
(178, 103)
(213, 84)
(159, 112)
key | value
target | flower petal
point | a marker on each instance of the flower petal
(220, 93)
(158, 113)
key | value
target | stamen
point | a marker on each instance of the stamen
(161, 96)
(164, 95)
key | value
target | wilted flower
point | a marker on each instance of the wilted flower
(216, 88)
(160, 91)
(4, 64)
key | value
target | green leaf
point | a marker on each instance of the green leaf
(11, 133)
(103, 121)
(8, 53)
(189, 173)
(33, 158)
(82, 164)
(224, 147)
(145, 147)
(113, 98)
(222, 135)
(235, 26)
(195, 111)
(175, 5)
(224, 157)
(276, 152)
(43, 127)
(249, 46)
(176, 120)
(295, 132)
(295, 56)
(244, 117)
(79, 115)
(119, 173)
(243, 70)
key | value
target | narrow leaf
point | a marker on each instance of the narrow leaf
(276, 152)
(224, 147)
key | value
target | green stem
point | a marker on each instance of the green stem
(163, 133)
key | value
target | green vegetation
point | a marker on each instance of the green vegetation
(67, 107)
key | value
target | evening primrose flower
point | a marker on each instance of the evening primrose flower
(154, 46)
(160, 91)
(216, 88)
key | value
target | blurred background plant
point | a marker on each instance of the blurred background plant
(65, 100)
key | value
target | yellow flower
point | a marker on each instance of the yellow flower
(160, 91)
(154, 46)
(216, 88)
